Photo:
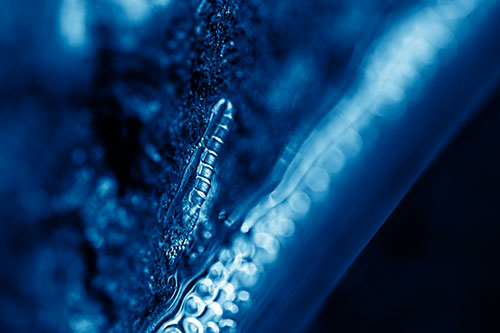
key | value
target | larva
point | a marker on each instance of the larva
(211, 150)
(184, 210)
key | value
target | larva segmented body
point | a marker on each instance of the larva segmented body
(206, 167)
(184, 211)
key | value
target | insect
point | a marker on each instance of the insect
(211, 150)
(184, 211)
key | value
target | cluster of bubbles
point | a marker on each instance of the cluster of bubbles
(213, 303)
(217, 298)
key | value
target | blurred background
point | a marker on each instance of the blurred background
(101, 103)
(432, 266)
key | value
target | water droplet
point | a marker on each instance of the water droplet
(243, 296)
(216, 271)
(192, 325)
(231, 307)
(216, 309)
(212, 327)
(317, 179)
(228, 324)
(226, 255)
(194, 305)
(205, 288)
(350, 143)
(248, 274)
(299, 203)
(207, 234)
(267, 242)
(286, 227)
(244, 247)
(229, 292)
(333, 160)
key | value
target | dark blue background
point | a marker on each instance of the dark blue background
(433, 266)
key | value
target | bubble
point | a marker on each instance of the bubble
(244, 296)
(216, 272)
(226, 255)
(350, 143)
(283, 210)
(317, 179)
(332, 160)
(212, 327)
(228, 325)
(299, 203)
(229, 289)
(192, 325)
(266, 225)
(267, 242)
(248, 274)
(244, 247)
(194, 305)
(268, 248)
(231, 307)
(216, 309)
(205, 288)
(286, 227)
